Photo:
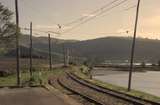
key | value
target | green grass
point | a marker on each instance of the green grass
(79, 72)
(46, 74)
(11, 79)
(39, 75)
(8, 81)
(2, 51)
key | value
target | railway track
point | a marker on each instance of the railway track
(120, 95)
(97, 94)
(56, 83)
(79, 93)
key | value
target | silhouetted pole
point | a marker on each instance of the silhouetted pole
(133, 48)
(17, 42)
(31, 73)
(68, 56)
(64, 54)
(49, 47)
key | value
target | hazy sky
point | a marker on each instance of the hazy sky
(46, 14)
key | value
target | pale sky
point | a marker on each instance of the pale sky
(46, 14)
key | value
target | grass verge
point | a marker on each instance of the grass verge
(40, 77)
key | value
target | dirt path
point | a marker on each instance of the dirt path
(29, 96)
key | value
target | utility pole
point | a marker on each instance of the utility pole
(17, 42)
(31, 73)
(64, 54)
(68, 56)
(133, 47)
(49, 48)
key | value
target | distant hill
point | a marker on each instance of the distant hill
(108, 48)
(40, 48)
(36, 54)
(25, 53)
(25, 40)
(118, 48)
(41, 43)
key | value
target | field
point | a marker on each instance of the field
(40, 71)
(10, 63)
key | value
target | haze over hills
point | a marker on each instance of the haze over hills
(119, 48)
(108, 48)
(25, 40)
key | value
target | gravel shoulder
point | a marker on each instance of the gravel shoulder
(29, 96)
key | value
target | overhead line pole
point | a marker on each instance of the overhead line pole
(17, 42)
(49, 48)
(133, 47)
(67, 56)
(64, 54)
(31, 48)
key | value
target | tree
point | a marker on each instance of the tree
(7, 27)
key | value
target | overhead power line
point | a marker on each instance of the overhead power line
(99, 34)
(100, 13)
(94, 12)
(131, 7)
